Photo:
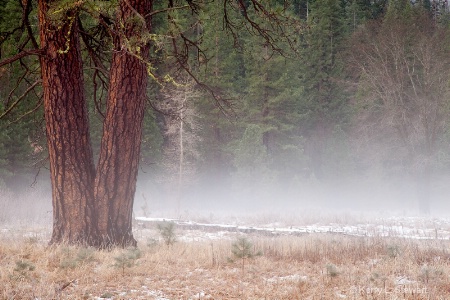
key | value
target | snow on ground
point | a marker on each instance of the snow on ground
(402, 227)
(425, 228)
(295, 278)
(143, 293)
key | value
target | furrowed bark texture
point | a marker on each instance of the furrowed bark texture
(70, 154)
(117, 169)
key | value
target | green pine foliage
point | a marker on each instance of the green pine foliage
(127, 259)
(152, 140)
(253, 178)
(243, 250)
(10, 17)
(323, 103)
(21, 138)
(167, 231)
(22, 270)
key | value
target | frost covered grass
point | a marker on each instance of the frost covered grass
(309, 266)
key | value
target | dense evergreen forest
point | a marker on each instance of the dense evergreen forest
(354, 95)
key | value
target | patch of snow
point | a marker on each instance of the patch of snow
(201, 295)
(403, 280)
(145, 219)
(295, 277)
(157, 294)
(374, 261)
(340, 295)
(403, 227)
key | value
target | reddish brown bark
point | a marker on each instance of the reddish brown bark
(90, 207)
(117, 169)
(71, 162)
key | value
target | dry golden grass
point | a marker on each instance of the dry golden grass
(306, 267)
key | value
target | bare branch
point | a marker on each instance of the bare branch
(223, 104)
(20, 55)
(96, 102)
(168, 9)
(26, 22)
(30, 88)
(271, 26)
(38, 105)
(15, 88)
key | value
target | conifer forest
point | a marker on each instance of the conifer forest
(127, 105)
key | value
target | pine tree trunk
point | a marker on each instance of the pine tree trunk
(70, 154)
(181, 156)
(424, 187)
(117, 169)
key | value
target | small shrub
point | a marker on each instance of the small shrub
(106, 295)
(167, 231)
(84, 255)
(68, 263)
(242, 250)
(152, 242)
(32, 240)
(127, 259)
(428, 273)
(332, 270)
(24, 266)
(393, 251)
(22, 269)
(375, 276)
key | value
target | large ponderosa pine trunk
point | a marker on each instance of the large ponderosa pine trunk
(71, 162)
(94, 207)
(117, 170)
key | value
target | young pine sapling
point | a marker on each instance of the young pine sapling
(243, 249)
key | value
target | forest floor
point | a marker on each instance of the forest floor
(338, 257)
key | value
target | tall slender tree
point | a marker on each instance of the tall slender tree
(322, 105)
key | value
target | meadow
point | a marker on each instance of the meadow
(225, 265)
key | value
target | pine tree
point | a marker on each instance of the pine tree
(181, 139)
(323, 105)
(225, 71)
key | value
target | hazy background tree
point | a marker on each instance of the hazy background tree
(181, 149)
(403, 71)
